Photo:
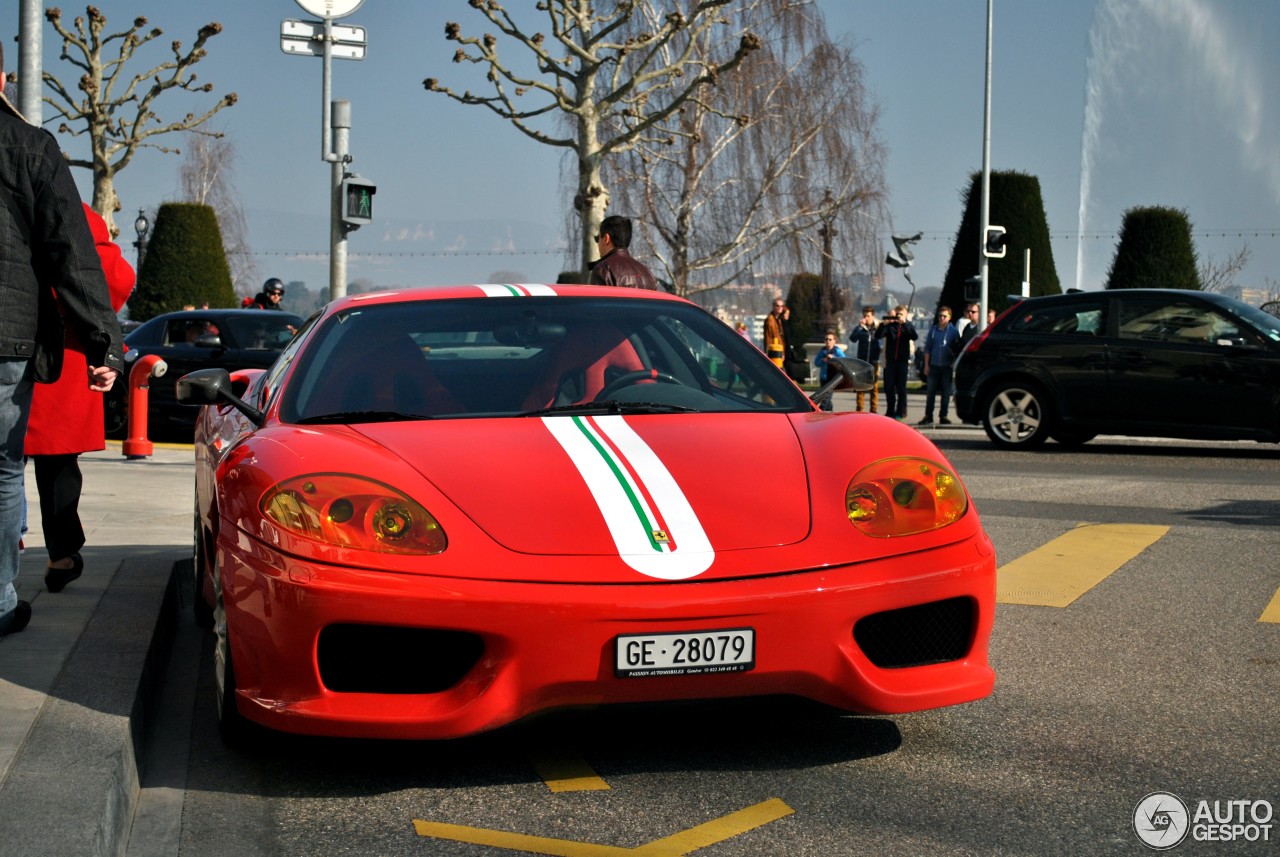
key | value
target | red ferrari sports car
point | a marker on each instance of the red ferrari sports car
(445, 509)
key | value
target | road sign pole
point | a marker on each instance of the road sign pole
(299, 38)
(337, 231)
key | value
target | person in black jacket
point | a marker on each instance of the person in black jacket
(616, 266)
(897, 334)
(271, 295)
(50, 276)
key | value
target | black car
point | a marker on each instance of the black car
(197, 339)
(1145, 362)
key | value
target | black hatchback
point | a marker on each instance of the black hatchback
(1145, 362)
(197, 339)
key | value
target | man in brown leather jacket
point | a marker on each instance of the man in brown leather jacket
(616, 266)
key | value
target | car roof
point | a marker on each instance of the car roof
(490, 290)
(221, 311)
(1219, 300)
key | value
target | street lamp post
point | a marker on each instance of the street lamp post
(141, 225)
(825, 299)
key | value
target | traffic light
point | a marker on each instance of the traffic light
(973, 290)
(357, 201)
(994, 245)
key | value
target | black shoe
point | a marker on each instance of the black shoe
(18, 619)
(56, 579)
(927, 421)
(944, 422)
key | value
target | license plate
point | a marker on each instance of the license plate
(690, 653)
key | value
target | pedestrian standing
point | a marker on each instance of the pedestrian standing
(66, 420)
(617, 267)
(775, 333)
(896, 334)
(866, 346)
(50, 276)
(826, 353)
(939, 350)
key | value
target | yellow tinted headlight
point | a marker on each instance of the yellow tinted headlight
(353, 512)
(903, 496)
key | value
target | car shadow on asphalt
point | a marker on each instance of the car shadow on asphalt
(753, 734)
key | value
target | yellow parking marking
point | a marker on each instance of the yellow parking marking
(685, 842)
(1059, 572)
(718, 830)
(1272, 613)
(566, 771)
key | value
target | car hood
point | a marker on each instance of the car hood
(664, 492)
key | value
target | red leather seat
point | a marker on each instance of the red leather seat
(582, 365)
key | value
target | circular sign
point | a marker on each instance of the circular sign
(1160, 820)
(330, 8)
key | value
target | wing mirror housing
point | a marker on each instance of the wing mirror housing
(210, 387)
(850, 374)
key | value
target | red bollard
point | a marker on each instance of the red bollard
(137, 445)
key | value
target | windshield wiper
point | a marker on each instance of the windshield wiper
(589, 408)
(345, 417)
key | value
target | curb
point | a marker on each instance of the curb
(73, 785)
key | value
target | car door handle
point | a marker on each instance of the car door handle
(1131, 357)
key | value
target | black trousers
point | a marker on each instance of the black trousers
(58, 479)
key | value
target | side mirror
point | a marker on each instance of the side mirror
(851, 373)
(211, 386)
(208, 340)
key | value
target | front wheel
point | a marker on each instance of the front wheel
(1016, 416)
(236, 729)
(199, 606)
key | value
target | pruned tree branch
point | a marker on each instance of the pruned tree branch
(114, 108)
(598, 84)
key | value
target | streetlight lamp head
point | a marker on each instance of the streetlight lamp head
(141, 225)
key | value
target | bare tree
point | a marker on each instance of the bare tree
(759, 165)
(114, 109)
(614, 83)
(1218, 276)
(208, 177)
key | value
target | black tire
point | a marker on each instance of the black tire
(1016, 415)
(199, 606)
(236, 729)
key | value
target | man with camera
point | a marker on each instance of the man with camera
(897, 335)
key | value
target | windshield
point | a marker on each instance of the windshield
(1268, 325)
(525, 356)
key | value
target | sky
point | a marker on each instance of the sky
(1111, 104)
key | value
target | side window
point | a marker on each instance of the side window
(1176, 322)
(185, 331)
(1085, 319)
(272, 376)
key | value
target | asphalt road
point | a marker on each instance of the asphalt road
(1159, 677)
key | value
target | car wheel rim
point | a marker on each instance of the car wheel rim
(1015, 415)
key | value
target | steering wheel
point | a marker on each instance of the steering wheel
(635, 377)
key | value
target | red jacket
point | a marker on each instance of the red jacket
(66, 416)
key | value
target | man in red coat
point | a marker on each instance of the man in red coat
(66, 420)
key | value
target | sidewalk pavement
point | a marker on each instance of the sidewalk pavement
(76, 686)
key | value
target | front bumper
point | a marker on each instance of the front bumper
(507, 650)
